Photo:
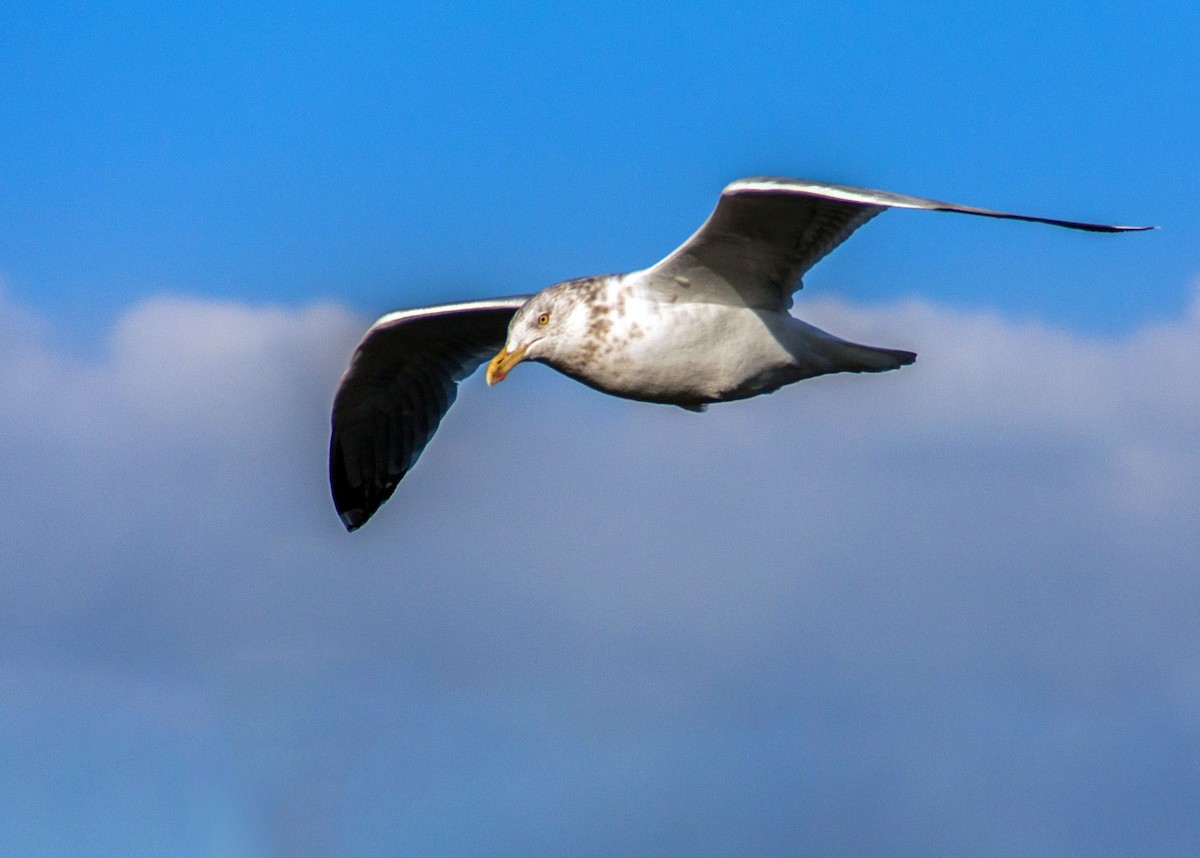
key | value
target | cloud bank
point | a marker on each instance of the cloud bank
(948, 610)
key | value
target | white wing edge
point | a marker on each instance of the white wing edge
(510, 302)
(868, 196)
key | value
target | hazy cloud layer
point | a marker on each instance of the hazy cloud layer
(949, 610)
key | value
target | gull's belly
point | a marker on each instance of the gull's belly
(689, 354)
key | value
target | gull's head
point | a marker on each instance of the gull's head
(546, 329)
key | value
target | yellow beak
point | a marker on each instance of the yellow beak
(503, 363)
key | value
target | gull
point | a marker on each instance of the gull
(709, 323)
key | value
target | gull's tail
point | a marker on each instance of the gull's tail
(845, 356)
(818, 352)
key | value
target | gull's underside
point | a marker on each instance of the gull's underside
(709, 323)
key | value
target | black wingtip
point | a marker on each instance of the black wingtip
(355, 504)
(1102, 228)
(1090, 227)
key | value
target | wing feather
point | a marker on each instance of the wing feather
(766, 232)
(401, 381)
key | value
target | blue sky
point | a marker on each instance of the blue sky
(942, 611)
(267, 153)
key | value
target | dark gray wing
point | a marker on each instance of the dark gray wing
(401, 380)
(766, 232)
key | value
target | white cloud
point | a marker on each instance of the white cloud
(908, 596)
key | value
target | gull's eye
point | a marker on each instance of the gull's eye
(543, 320)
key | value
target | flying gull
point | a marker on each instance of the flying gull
(709, 323)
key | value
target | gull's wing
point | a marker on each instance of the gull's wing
(766, 232)
(401, 381)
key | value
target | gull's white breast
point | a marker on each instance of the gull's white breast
(683, 352)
